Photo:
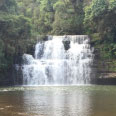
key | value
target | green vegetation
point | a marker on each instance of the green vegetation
(100, 18)
(59, 17)
(54, 16)
(22, 20)
(15, 35)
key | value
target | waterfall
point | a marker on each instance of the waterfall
(61, 60)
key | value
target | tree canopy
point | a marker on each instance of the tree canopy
(22, 20)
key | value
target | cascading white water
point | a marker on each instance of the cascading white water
(58, 63)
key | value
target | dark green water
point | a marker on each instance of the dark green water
(58, 101)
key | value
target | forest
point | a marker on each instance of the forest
(21, 21)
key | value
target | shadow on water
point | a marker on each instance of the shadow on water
(58, 101)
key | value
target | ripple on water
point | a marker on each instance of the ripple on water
(58, 101)
(1, 108)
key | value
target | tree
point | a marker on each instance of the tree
(100, 17)
(8, 6)
(68, 17)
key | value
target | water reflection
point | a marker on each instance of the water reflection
(58, 102)
(11, 103)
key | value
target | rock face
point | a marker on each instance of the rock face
(13, 75)
(66, 43)
(7, 78)
(105, 72)
(108, 75)
(100, 68)
(62, 60)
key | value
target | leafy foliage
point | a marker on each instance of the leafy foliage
(68, 17)
(54, 16)
(14, 29)
(8, 6)
(22, 20)
(100, 17)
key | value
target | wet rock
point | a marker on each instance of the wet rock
(66, 43)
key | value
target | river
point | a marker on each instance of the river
(58, 101)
